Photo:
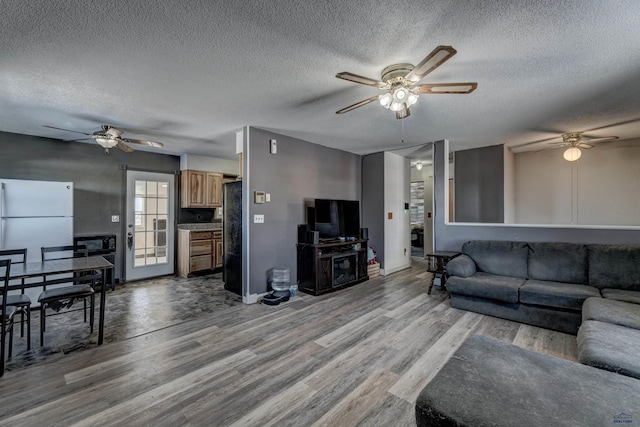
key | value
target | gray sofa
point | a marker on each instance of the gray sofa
(593, 289)
(542, 284)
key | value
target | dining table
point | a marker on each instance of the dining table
(92, 267)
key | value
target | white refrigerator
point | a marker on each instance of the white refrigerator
(34, 214)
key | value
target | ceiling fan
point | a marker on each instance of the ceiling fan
(400, 81)
(575, 141)
(109, 137)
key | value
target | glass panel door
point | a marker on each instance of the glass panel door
(150, 224)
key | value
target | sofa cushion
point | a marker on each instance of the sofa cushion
(614, 266)
(612, 311)
(556, 294)
(499, 257)
(491, 383)
(621, 295)
(462, 266)
(611, 347)
(483, 285)
(558, 262)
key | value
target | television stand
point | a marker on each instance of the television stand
(329, 266)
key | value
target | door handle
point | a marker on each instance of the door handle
(129, 240)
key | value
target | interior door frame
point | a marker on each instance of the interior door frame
(171, 224)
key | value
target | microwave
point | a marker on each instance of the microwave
(97, 244)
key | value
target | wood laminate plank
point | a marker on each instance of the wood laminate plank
(360, 401)
(275, 408)
(434, 358)
(392, 411)
(545, 341)
(345, 330)
(413, 303)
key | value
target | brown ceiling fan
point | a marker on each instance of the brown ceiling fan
(400, 81)
(109, 137)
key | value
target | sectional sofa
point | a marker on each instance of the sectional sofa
(591, 289)
(542, 284)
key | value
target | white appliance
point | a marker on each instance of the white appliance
(34, 214)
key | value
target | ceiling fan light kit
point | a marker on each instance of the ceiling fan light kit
(572, 154)
(400, 82)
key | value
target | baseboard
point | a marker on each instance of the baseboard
(387, 271)
(252, 298)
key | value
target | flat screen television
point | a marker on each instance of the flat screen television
(337, 218)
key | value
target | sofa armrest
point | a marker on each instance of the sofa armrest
(462, 266)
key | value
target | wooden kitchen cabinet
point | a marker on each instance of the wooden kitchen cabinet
(200, 189)
(218, 249)
(199, 251)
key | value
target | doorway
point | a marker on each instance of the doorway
(421, 207)
(150, 225)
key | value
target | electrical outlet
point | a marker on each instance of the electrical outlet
(258, 219)
(115, 218)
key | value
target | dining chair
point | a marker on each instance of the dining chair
(7, 312)
(21, 301)
(63, 297)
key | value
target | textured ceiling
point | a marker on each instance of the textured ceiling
(192, 73)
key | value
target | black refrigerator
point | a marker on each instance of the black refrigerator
(232, 236)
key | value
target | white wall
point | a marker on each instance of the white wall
(209, 164)
(599, 189)
(397, 231)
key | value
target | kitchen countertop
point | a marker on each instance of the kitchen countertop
(203, 226)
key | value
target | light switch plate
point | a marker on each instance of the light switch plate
(267, 197)
(258, 219)
(115, 218)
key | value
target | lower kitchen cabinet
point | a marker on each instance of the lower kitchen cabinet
(199, 251)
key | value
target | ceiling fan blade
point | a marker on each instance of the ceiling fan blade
(447, 88)
(143, 142)
(403, 114)
(67, 130)
(436, 58)
(360, 79)
(599, 139)
(585, 146)
(124, 147)
(357, 104)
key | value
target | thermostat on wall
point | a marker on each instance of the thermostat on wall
(258, 197)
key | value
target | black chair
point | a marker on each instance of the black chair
(21, 302)
(7, 312)
(59, 298)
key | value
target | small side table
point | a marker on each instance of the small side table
(437, 265)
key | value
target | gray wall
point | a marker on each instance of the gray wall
(479, 185)
(452, 236)
(373, 201)
(298, 173)
(99, 179)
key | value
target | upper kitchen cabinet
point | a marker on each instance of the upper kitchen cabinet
(201, 189)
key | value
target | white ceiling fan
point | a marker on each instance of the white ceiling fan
(400, 81)
(575, 141)
(109, 137)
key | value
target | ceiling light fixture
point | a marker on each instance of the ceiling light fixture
(419, 166)
(572, 154)
(399, 97)
(106, 142)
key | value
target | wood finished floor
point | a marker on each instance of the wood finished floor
(357, 357)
